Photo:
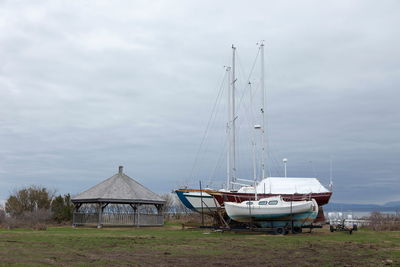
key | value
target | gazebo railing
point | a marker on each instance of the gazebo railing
(80, 218)
(119, 219)
(151, 219)
(123, 219)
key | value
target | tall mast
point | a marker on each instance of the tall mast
(253, 144)
(262, 112)
(228, 132)
(330, 175)
(233, 116)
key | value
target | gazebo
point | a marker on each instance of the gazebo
(118, 201)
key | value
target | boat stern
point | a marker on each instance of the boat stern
(197, 200)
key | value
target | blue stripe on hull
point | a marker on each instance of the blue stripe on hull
(184, 200)
(297, 216)
(279, 220)
(271, 224)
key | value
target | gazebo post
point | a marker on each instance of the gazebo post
(159, 212)
(159, 208)
(99, 222)
(138, 215)
(133, 206)
(76, 209)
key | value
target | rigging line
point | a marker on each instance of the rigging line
(275, 160)
(203, 148)
(275, 155)
(216, 111)
(250, 118)
(238, 148)
(249, 76)
(248, 80)
(253, 145)
(313, 169)
(211, 117)
(219, 161)
(220, 157)
(248, 109)
(221, 88)
(250, 73)
(206, 144)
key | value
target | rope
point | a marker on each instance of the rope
(219, 161)
(221, 88)
(249, 76)
(241, 102)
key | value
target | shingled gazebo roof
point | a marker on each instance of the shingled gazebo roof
(119, 188)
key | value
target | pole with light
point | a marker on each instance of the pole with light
(284, 163)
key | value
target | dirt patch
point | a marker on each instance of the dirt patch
(309, 254)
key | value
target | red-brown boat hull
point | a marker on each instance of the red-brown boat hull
(221, 197)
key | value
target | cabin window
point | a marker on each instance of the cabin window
(273, 202)
(249, 203)
(262, 203)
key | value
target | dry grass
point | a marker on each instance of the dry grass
(36, 220)
(170, 246)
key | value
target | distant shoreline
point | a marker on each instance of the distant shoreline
(361, 207)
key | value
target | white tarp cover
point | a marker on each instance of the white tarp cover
(282, 185)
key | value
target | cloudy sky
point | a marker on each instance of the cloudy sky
(86, 86)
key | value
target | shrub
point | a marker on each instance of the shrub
(384, 222)
(28, 200)
(28, 208)
(62, 208)
(29, 219)
(2, 215)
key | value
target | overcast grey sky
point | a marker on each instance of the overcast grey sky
(88, 85)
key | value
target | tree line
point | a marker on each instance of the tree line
(35, 206)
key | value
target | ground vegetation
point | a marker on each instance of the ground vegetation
(172, 246)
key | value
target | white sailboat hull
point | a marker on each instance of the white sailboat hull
(284, 210)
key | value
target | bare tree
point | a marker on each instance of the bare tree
(169, 202)
(28, 200)
(384, 222)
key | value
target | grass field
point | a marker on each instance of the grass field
(171, 246)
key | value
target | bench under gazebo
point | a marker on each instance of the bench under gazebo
(118, 201)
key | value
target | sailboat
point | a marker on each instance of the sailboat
(198, 200)
(290, 189)
(273, 212)
(201, 200)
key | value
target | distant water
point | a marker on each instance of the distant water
(360, 214)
